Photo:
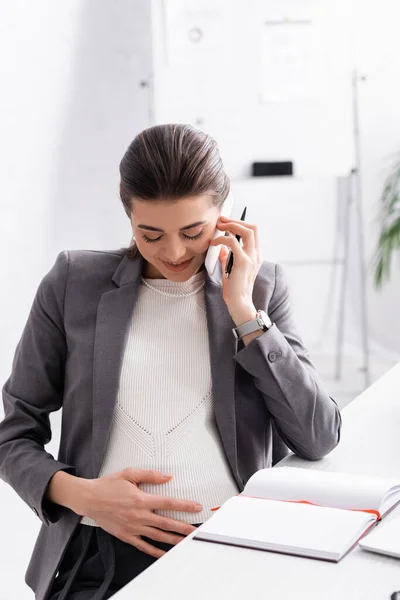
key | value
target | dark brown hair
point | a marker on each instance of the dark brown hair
(170, 162)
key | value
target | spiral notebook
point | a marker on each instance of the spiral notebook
(316, 514)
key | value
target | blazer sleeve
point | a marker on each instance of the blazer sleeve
(307, 419)
(32, 392)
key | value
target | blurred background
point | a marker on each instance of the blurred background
(302, 98)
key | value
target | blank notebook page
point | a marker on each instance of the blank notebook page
(288, 524)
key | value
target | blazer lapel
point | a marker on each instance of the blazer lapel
(113, 316)
(222, 350)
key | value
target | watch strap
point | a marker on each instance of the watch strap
(261, 322)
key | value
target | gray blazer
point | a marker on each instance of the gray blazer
(267, 396)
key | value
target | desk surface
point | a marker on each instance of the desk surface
(195, 570)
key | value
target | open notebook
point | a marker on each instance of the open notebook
(317, 514)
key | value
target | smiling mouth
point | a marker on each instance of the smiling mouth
(175, 264)
(178, 266)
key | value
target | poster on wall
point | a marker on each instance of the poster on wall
(291, 64)
(304, 93)
(292, 57)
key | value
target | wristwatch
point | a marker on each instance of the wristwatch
(262, 321)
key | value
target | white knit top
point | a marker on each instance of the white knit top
(164, 414)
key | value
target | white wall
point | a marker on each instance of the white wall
(71, 102)
(34, 91)
(378, 58)
(105, 109)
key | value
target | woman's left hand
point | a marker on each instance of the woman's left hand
(237, 289)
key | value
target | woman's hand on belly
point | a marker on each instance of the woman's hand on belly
(119, 507)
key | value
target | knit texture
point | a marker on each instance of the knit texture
(164, 414)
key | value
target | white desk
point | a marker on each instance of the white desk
(197, 570)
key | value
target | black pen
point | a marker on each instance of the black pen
(229, 262)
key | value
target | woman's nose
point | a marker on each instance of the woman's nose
(175, 252)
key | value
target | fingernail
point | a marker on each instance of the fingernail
(167, 475)
(198, 507)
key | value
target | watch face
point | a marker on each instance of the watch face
(264, 318)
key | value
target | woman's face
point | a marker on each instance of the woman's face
(173, 237)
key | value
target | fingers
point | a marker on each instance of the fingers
(229, 220)
(145, 476)
(254, 228)
(246, 233)
(165, 503)
(145, 547)
(162, 536)
(223, 256)
(157, 535)
(167, 524)
(231, 242)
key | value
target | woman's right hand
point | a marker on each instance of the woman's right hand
(119, 507)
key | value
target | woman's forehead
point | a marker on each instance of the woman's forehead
(177, 213)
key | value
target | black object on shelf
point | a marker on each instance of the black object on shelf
(272, 169)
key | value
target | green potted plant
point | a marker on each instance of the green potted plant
(389, 218)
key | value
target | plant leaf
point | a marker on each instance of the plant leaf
(389, 218)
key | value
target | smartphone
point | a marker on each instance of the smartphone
(212, 255)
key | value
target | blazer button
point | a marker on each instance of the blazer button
(272, 356)
(35, 511)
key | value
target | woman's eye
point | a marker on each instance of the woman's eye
(194, 237)
(188, 237)
(150, 240)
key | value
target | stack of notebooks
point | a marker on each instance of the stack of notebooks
(316, 514)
